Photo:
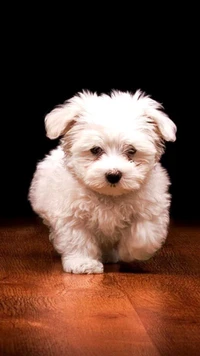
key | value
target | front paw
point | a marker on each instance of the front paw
(81, 265)
(141, 242)
(134, 255)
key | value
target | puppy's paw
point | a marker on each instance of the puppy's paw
(134, 255)
(81, 265)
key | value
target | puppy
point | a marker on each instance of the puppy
(102, 191)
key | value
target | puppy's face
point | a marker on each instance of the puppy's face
(108, 160)
(111, 143)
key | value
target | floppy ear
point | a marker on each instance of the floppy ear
(165, 125)
(60, 120)
(63, 117)
(153, 110)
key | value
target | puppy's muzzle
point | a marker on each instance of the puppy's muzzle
(113, 176)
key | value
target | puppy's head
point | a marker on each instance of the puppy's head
(111, 142)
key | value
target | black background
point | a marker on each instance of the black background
(45, 65)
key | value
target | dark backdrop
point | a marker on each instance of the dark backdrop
(40, 71)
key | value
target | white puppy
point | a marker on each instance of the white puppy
(103, 192)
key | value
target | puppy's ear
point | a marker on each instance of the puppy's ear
(153, 110)
(59, 120)
(62, 118)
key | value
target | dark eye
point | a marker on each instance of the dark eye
(97, 151)
(131, 151)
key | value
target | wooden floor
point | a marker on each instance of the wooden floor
(150, 308)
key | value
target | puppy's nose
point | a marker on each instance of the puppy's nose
(113, 176)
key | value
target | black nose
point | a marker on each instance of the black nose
(113, 176)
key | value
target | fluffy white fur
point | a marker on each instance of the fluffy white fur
(93, 220)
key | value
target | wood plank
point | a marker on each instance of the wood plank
(150, 308)
(165, 292)
(44, 311)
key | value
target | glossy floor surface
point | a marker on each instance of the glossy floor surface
(150, 308)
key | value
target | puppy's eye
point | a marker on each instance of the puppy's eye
(96, 151)
(131, 151)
